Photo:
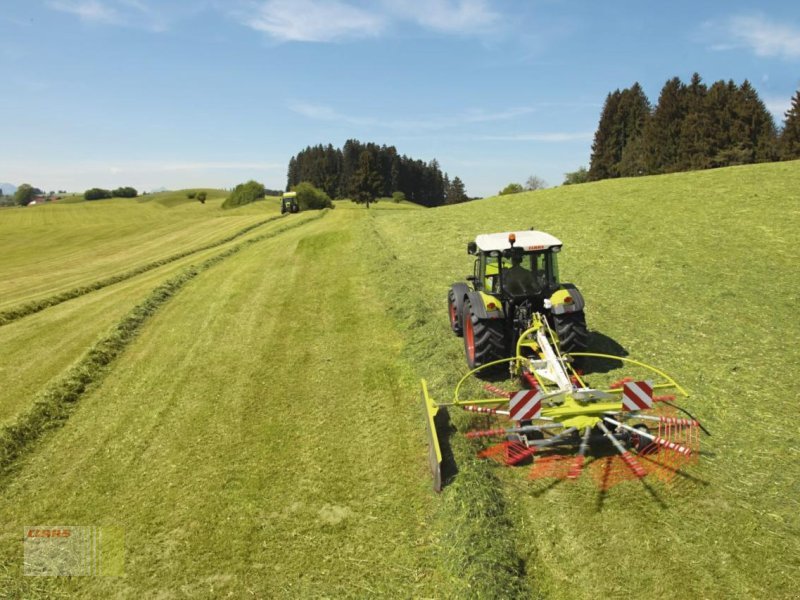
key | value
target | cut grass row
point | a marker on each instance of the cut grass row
(256, 439)
(54, 404)
(701, 282)
(29, 308)
(39, 348)
(51, 249)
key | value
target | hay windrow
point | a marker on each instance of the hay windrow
(53, 405)
(35, 306)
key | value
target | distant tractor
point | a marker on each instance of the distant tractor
(289, 203)
(515, 276)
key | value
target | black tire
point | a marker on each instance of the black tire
(455, 310)
(572, 332)
(484, 339)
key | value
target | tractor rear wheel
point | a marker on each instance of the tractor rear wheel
(572, 332)
(484, 339)
(455, 310)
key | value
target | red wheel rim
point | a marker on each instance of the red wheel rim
(470, 340)
(452, 314)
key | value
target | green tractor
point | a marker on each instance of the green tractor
(515, 276)
(289, 203)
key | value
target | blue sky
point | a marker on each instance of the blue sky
(211, 93)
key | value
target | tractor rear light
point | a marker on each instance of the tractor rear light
(512, 237)
(568, 300)
(491, 306)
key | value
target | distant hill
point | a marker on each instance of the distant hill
(8, 188)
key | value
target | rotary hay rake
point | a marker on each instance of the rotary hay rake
(629, 430)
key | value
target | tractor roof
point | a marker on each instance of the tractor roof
(528, 240)
(290, 194)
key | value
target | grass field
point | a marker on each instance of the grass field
(259, 433)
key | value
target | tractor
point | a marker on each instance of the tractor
(289, 203)
(515, 277)
(515, 312)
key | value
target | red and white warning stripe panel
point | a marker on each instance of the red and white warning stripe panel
(525, 405)
(637, 395)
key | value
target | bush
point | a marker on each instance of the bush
(311, 198)
(124, 192)
(579, 176)
(244, 193)
(398, 197)
(96, 194)
(190, 195)
(201, 196)
(511, 188)
(25, 194)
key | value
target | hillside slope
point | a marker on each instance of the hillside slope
(261, 433)
(696, 273)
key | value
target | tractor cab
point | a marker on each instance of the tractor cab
(289, 203)
(517, 266)
(514, 280)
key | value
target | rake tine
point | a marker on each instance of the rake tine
(484, 410)
(653, 438)
(626, 456)
(577, 466)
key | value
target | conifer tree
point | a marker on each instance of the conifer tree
(633, 114)
(457, 191)
(603, 158)
(694, 146)
(663, 132)
(790, 136)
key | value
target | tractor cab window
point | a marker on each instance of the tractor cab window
(528, 274)
(491, 272)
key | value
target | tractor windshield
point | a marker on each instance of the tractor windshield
(529, 274)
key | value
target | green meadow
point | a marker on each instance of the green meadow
(240, 396)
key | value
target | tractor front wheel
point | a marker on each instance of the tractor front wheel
(456, 311)
(572, 332)
(484, 339)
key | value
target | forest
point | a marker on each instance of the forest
(364, 172)
(693, 126)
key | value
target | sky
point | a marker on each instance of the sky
(211, 93)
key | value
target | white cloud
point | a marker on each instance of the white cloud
(451, 16)
(127, 13)
(321, 112)
(333, 20)
(314, 20)
(765, 37)
(88, 10)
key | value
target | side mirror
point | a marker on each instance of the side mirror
(472, 248)
(472, 278)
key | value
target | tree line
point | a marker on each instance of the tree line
(100, 193)
(365, 172)
(693, 126)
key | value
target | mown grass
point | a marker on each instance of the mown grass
(178, 197)
(29, 308)
(262, 435)
(55, 248)
(695, 273)
(53, 405)
(40, 347)
(256, 438)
